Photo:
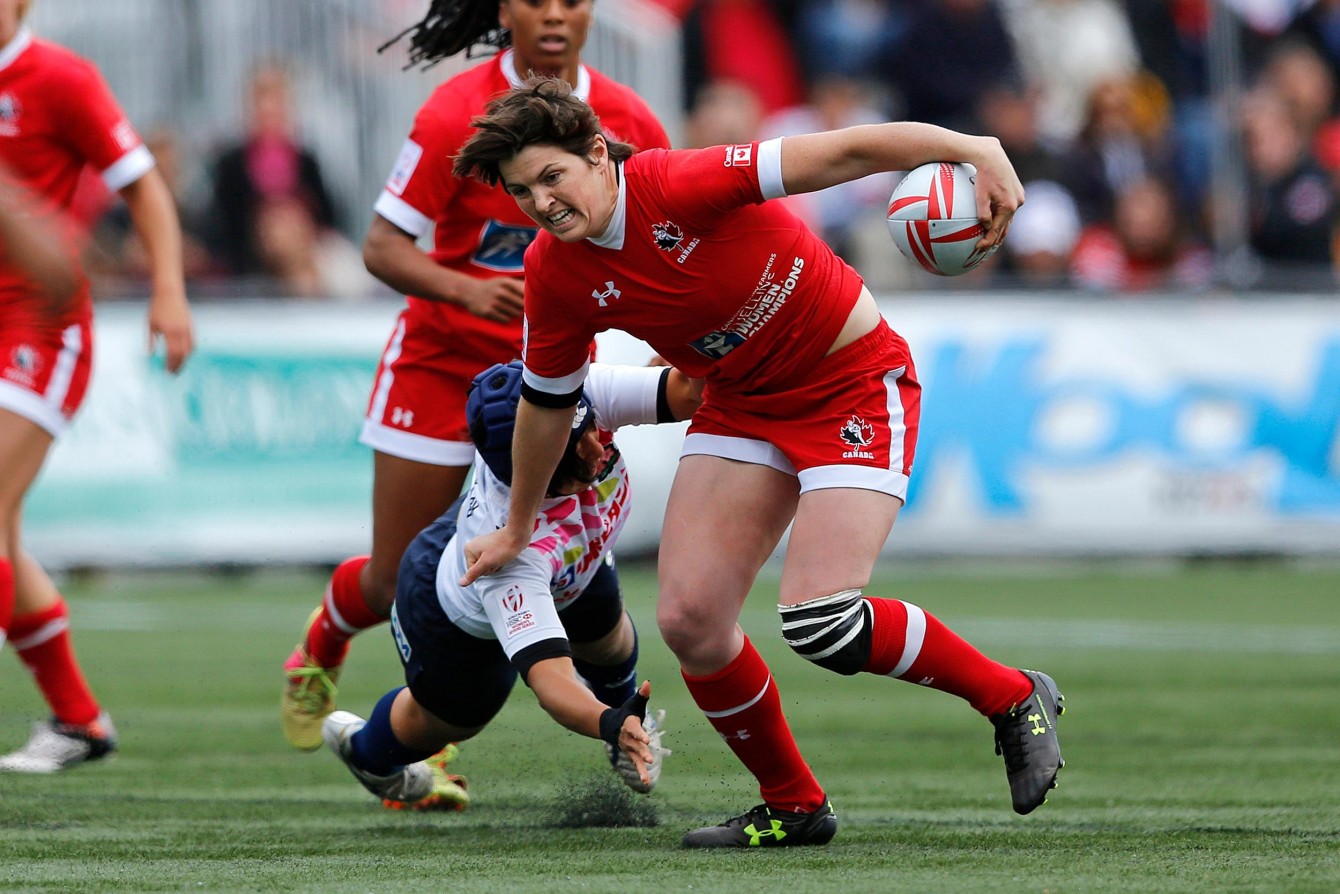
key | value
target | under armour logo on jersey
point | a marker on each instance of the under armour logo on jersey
(609, 293)
(402, 417)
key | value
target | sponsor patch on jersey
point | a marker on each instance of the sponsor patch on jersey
(519, 618)
(740, 156)
(717, 344)
(405, 164)
(502, 247)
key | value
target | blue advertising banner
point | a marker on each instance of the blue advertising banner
(1069, 426)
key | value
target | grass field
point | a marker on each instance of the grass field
(1202, 741)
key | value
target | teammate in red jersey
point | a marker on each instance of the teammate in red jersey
(56, 117)
(809, 415)
(463, 309)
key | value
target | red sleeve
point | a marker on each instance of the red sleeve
(700, 185)
(424, 180)
(93, 119)
(558, 335)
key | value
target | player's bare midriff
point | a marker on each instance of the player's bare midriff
(864, 317)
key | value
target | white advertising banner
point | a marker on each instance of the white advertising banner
(1053, 427)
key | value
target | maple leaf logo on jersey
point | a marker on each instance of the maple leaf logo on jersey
(668, 235)
(857, 432)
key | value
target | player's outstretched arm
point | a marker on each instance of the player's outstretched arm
(816, 161)
(554, 682)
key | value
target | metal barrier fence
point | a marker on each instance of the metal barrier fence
(183, 65)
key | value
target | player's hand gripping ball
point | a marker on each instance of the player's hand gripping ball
(933, 218)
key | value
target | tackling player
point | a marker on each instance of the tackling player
(57, 116)
(463, 310)
(809, 416)
(554, 615)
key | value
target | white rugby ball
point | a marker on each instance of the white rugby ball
(933, 218)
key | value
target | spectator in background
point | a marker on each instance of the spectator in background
(116, 252)
(302, 260)
(1008, 112)
(1304, 81)
(850, 38)
(1146, 246)
(743, 41)
(723, 112)
(835, 102)
(950, 53)
(1065, 48)
(1042, 238)
(1293, 202)
(1123, 141)
(268, 164)
(1172, 37)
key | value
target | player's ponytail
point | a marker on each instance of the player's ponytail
(450, 27)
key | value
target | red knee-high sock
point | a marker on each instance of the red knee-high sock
(344, 614)
(42, 640)
(6, 598)
(911, 644)
(742, 703)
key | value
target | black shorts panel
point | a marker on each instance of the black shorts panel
(598, 610)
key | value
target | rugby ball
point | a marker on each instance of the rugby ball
(933, 218)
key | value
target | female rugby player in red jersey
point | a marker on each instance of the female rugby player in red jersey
(57, 116)
(809, 415)
(463, 310)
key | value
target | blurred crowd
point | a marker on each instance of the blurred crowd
(1105, 107)
(257, 216)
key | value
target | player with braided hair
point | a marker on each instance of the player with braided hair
(463, 307)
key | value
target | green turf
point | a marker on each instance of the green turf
(1203, 749)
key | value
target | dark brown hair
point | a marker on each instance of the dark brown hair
(541, 111)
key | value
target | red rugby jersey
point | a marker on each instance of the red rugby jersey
(722, 283)
(478, 230)
(57, 115)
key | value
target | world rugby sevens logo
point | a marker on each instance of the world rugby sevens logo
(513, 599)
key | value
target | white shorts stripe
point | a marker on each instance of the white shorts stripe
(916, 635)
(377, 411)
(407, 445)
(48, 631)
(897, 424)
(744, 707)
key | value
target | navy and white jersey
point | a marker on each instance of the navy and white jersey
(519, 604)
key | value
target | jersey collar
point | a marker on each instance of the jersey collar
(613, 235)
(15, 47)
(581, 89)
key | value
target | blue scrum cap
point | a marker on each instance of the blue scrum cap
(491, 413)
